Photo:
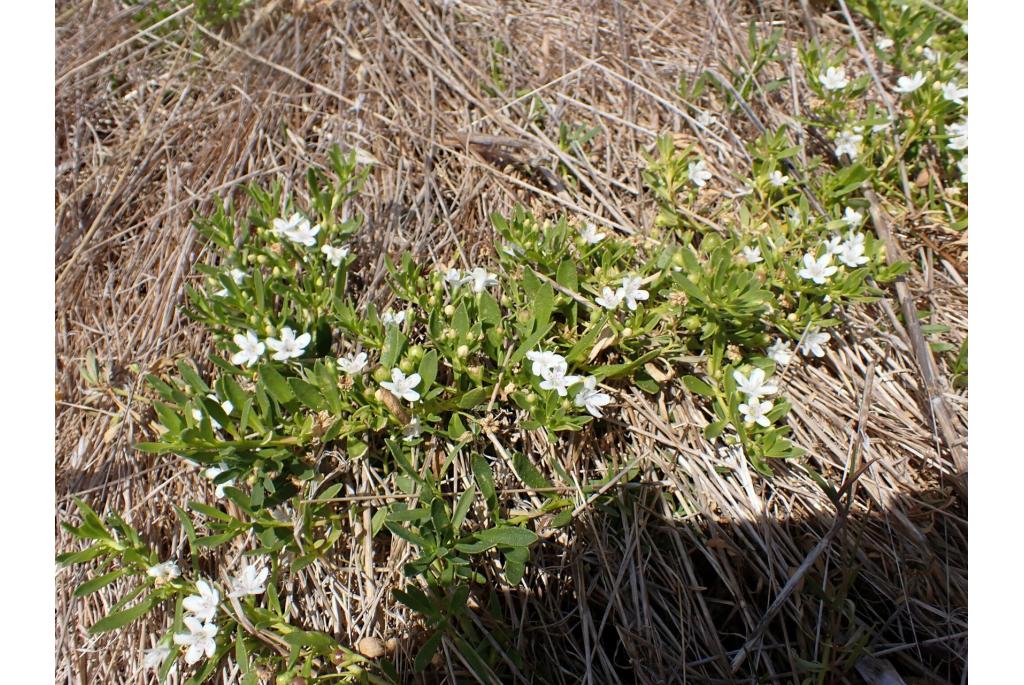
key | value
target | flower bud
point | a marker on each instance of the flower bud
(506, 301)
(677, 259)
(262, 259)
(476, 373)
(268, 329)
(626, 332)
(407, 366)
(692, 322)
(531, 399)
(416, 352)
(449, 310)
(462, 352)
(319, 281)
(380, 374)
(432, 301)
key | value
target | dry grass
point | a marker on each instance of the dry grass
(700, 574)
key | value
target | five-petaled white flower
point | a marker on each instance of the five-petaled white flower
(817, 270)
(590, 234)
(352, 364)
(154, 658)
(556, 380)
(705, 119)
(778, 179)
(755, 411)
(779, 352)
(752, 254)
(590, 398)
(390, 318)
(481, 279)
(609, 299)
(848, 143)
(250, 581)
(335, 254)
(853, 218)
(288, 347)
(198, 639)
(237, 275)
(962, 166)
(164, 572)
(212, 473)
(833, 245)
(203, 605)
(884, 43)
(250, 349)
(402, 386)
(631, 291)
(545, 363)
(851, 252)
(908, 84)
(698, 173)
(834, 78)
(930, 54)
(813, 342)
(953, 92)
(304, 234)
(282, 227)
(754, 386)
(958, 135)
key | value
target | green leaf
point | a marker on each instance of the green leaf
(485, 481)
(527, 472)
(276, 385)
(192, 378)
(120, 618)
(307, 393)
(490, 312)
(427, 652)
(543, 305)
(394, 340)
(463, 506)
(428, 370)
(90, 586)
(509, 536)
(566, 276)
(697, 386)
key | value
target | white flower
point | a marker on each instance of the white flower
(962, 166)
(957, 135)
(590, 234)
(953, 92)
(288, 347)
(335, 254)
(545, 363)
(353, 364)
(481, 279)
(304, 235)
(833, 245)
(250, 581)
(884, 43)
(779, 352)
(609, 299)
(590, 398)
(930, 55)
(154, 658)
(852, 251)
(848, 143)
(390, 318)
(225, 405)
(204, 605)
(237, 275)
(754, 386)
(698, 173)
(778, 179)
(752, 255)
(852, 217)
(199, 639)
(556, 380)
(412, 430)
(212, 473)
(164, 572)
(834, 78)
(817, 270)
(282, 227)
(755, 412)
(908, 84)
(813, 342)
(705, 119)
(250, 349)
(631, 291)
(513, 250)
(453, 276)
(197, 414)
(402, 386)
